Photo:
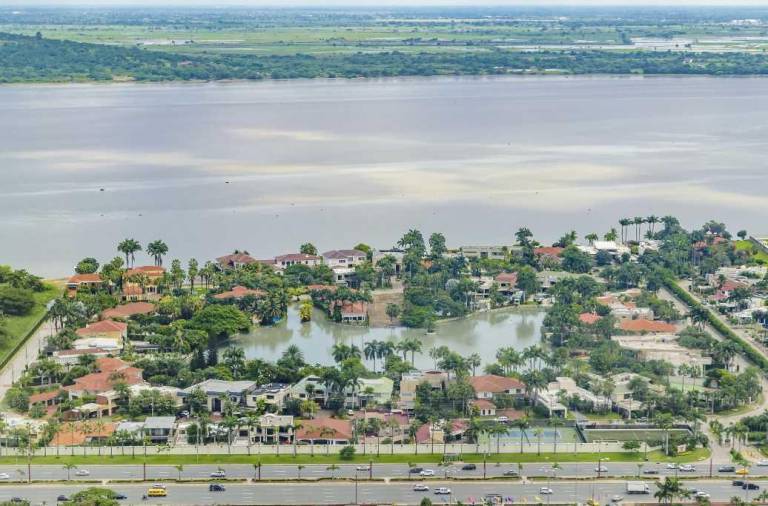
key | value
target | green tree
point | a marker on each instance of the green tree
(87, 265)
(157, 249)
(129, 248)
(308, 249)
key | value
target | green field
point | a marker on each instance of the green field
(759, 256)
(20, 326)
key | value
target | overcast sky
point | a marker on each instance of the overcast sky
(319, 3)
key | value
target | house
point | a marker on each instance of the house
(159, 429)
(491, 252)
(111, 371)
(345, 276)
(273, 395)
(490, 385)
(551, 253)
(235, 261)
(125, 311)
(71, 357)
(310, 387)
(273, 429)
(369, 391)
(437, 380)
(397, 255)
(105, 334)
(344, 258)
(167, 391)
(88, 282)
(484, 407)
(625, 309)
(283, 261)
(647, 326)
(569, 388)
(82, 433)
(354, 312)
(622, 394)
(589, 318)
(218, 390)
(662, 347)
(324, 430)
(142, 283)
(239, 292)
(46, 399)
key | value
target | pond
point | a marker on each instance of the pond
(481, 333)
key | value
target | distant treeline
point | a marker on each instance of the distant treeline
(37, 59)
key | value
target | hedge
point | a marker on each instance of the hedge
(750, 351)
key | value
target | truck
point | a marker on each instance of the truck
(637, 487)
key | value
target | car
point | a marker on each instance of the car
(427, 472)
(601, 469)
(750, 486)
(762, 463)
(219, 474)
(687, 468)
(511, 473)
(120, 496)
(468, 467)
(420, 487)
(18, 499)
(743, 471)
(651, 471)
(363, 468)
(5, 476)
(62, 498)
(416, 470)
(183, 414)
(545, 490)
(702, 495)
(737, 483)
(82, 472)
(442, 491)
(502, 419)
(671, 465)
(726, 469)
(617, 498)
(216, 487)
(157, 485)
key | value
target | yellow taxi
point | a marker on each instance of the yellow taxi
(157, 492)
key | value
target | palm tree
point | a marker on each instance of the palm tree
(180, 469)
(522, 424)
(624, 222)
(668, 490)
(652, 220)
(591, 238)
(474, 361)
(129, 247)
(157, 249)
(332, 468)
(69, 467)
(257, 468)
(611, 235)
(498, 430)
(638, 222)
(664, 422)
(298, 470)
(555, 423)
(538, 432)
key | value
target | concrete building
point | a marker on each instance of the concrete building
(491, 252)
(437, 380)
(217, 391)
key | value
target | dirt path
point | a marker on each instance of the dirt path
(377, 311)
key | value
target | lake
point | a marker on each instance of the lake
(267, 166)
(481, 333)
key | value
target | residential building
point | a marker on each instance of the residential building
(273, 395)
(310, 387)
(437, 380)
(159, 429)
(168, 391)
(491, 252)
(217, 391)
(71, 357)
(344, 258)
(235, 261)
(105, 334)
(283, 261)
(396, 254)
(88, 282)
(273, 429)
(370, 391)
(142, 283)
(354, 312)
(490, 385)
(104, 380)
(647, 326)
(484, 407)
(47, 399)
(239, 292)
(323, 430)
(125, 311)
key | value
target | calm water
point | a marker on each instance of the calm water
(338, 162)
(480, 333)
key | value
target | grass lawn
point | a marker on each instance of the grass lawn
(748, 246)
(565, 456)
(600, 417)
(19, 326)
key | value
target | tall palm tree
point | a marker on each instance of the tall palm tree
(157, 249)
(638, 222)
(180, 469)
(669, 489)
(624, 222)
(474, 361)
(652, 220)
(129, 248)
(522, 424)
(69, 466)
(371, 351)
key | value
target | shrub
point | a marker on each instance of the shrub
(16, 301)
(347, 453)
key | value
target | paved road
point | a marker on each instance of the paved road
(26, 355)
(382, 471)
(370, 493)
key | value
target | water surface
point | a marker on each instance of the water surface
(267, 166)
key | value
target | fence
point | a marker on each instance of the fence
(288, 450)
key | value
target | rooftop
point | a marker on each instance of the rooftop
(128, 310)
(102, 326)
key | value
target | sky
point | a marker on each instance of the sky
(320, 3)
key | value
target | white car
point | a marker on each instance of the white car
(427, 472)
(617, 498)
(672, 465)
(702, 495)
(218, 474)
(687, 468)
(5, 476)
(601, 469)
(82, 472)
(420, 487)
(502, 419)
(762, 463)
(363, 468)
(545, 490)
(442, 491)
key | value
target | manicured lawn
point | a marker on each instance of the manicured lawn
(600, 417)
(748, 246)
(19, 326)
(565, 456)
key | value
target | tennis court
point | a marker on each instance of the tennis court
(548, 435)
(592, 435)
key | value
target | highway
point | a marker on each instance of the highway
(381, 471)
(370, 493)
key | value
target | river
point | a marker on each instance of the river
(267, 166)
(481, 333)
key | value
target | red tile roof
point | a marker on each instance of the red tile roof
(132, 289)
(647, 326)
(482, 404)
(238, 292)
(102, 326)
(317, 288)
(110, 364)
(148, 270)
(100, 382)
(128, 310)
(424, 434)
(507, 277)
(495, 384)
(77, 433)
(552, 251)
(84, 278)
(359, 307)
(589, 318)
(325, 428)
(43, 396)
(236, 258)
